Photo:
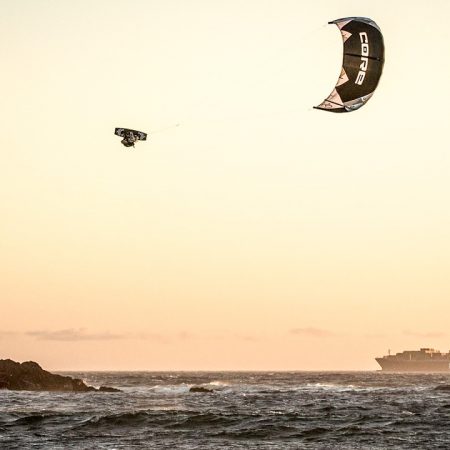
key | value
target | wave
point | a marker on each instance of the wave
(274, 431)
(38, 419)
(169, 419)
(219, 384)
(29, 420)
(244, 389)
(175, 389)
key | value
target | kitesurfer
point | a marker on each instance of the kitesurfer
(130, 136)
(129, 139)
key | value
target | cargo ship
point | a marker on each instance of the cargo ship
(423, 360)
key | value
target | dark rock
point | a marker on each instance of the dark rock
(29, 376)
(108, 389)
(200, 389)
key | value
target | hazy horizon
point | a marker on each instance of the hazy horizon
(259, 234)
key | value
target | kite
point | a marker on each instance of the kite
(361, 67)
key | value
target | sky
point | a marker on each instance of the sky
(249, 232)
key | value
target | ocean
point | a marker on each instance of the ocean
(244, 410)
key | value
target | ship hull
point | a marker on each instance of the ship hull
(391, 365)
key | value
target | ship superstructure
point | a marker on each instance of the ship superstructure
(423, 360)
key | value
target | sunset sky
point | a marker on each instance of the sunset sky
(259, 234)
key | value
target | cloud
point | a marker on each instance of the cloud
(246, 337)
(432, 334)
(375, 335)
(185, 336)
(81, 334)
(5, 334)
(147, 336)
(72, 334)
(313, 332)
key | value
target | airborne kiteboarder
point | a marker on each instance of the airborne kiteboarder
(130, 136)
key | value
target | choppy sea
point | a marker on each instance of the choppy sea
(245, 410)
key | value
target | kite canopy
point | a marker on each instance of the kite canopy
(362, 65)
(123, 132)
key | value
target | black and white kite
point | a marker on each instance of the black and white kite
(362, 65)
(130, 136)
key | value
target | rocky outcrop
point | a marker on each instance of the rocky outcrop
(201, 389)
(29, 376)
